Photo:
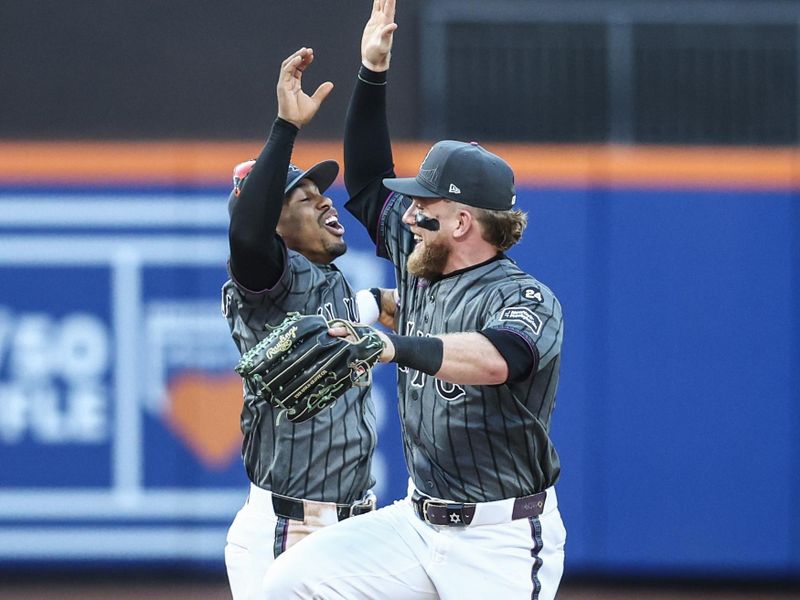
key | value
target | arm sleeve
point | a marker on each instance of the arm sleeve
(367, 150)
(521, 358)
(530, 317)
(257, 253)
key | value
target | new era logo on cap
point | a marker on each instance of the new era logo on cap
(484, 179)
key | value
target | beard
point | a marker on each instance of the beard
(428, 259)
(336, 249)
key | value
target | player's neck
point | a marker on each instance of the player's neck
(468, 255)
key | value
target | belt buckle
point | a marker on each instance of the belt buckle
(425, 503)
(360, 507)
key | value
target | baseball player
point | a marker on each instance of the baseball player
(284, 235)
(478, 367)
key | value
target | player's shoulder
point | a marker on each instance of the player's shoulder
(234, 291)
(516, 284)
(524, 304)
(229, 286)
(394, 205)
(398, 200)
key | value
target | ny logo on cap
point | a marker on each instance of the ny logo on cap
(428, 175)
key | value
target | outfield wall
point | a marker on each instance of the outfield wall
(677, 417)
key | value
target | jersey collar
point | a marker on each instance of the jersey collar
(496, 257)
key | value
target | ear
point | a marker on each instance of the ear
(466, 221)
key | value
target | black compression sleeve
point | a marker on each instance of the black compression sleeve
(367, 149)
(367, 145)
(521, 358)
(256, 252)
(417, 352)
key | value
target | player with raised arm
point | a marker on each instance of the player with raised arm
(478, 366)
(284, 234)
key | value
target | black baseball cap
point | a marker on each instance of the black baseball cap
(461, 171)
(323, 174)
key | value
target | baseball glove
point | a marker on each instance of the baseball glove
(301, 370)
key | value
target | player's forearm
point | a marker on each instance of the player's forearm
(257, 209)
(367, 152)
(367, 144)
(256, 256)
(463, 358)
(470, 359)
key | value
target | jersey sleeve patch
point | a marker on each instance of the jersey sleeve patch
(533, 294)
(523, 315)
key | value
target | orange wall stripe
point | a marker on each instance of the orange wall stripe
(204, 163)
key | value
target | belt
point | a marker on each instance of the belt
(459, 514)
(293, 508)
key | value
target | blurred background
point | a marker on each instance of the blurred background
(655, 149)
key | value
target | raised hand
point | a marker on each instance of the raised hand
(376, 41)
(294, 105)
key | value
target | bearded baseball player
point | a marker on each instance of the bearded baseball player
(478, 368)
(284, 235)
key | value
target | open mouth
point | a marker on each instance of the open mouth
(332, 224)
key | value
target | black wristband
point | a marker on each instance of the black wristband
(420, 353)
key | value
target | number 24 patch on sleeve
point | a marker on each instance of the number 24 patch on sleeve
(524, 315)
(534, 294)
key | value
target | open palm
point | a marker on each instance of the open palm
(376, 41)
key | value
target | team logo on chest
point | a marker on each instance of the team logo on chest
(445, 389)
(350, 307)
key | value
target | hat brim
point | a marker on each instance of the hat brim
(323, 174)
(409, 186)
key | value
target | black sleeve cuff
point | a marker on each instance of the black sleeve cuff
(521, 358)
(372, 77)
(283, 124)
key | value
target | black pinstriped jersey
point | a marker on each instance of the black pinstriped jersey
(327, 458)
(467, 442)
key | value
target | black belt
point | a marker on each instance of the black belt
(292, 508)
(438, 512)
